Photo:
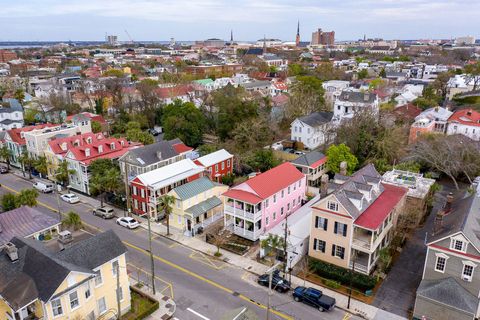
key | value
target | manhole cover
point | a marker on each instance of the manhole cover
(235, 294)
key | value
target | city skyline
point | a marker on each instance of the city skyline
(186, 20)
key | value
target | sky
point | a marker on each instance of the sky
(61, 20)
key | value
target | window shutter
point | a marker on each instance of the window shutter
(317, 224)
(342, 253)
(344, 230)
(335, 228)
(325, 223)
(333, 250)
(323, 246)
(315, 244)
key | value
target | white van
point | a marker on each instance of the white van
(43, 187)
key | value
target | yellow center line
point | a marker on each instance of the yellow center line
(176, 266)
(213, 283)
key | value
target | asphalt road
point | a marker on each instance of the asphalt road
(202, 287)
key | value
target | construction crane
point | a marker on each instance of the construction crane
(129, 37)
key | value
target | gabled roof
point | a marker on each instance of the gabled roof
(39, 271)
(357, 97)
(63, 145)
(376, 212)
(152, 153)
(173, 92)
(23, 222)
(89, 115)
(194, 188)
(100, 149)
(468, 117)
(214, 158)
(449, 292)
(16, 136)
(266, 184)
(312, 159)
(316, 119)
(167, 175)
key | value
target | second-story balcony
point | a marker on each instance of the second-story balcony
(242, 209)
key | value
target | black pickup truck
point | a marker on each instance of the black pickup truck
(314, 297)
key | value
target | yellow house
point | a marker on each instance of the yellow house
(354, 222)
(197, 204)
(79, 282)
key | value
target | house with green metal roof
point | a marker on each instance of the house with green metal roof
(197, 204)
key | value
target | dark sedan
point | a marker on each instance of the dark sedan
(278, 283)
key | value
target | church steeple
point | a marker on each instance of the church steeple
(264, 44)
(231, 36)
(297, 38)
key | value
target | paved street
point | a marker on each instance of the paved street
(202, 287)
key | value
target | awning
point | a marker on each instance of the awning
(204, 206)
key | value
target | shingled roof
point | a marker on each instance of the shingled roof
(316, 119)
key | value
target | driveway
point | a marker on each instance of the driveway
(397, 292)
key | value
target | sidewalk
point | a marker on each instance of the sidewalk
(166, 306)
(356, 307)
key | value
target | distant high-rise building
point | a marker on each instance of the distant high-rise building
(111, 40)
(231, 36)
(297, 38)
(325, 38)
(467, 40)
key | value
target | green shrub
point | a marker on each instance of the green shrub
(332, 284)
(47, 237)
(326, 270)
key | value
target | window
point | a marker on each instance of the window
(88, 293)
(274, 215)
(228, 163)
(298, 199)
(457, 244)
(134, 191)
(57, 307)
(178, 204)
(340, 228)
(274, 198)
(321, 223)
(266, 221)
(331, 205)
(266, 203)
(283, 193)
(288, 206)
(319, 245)
(98, 278)
(223, 165)
(115, 267)
(102, 306)
(467, 273)
(216, 167)
(73, 300)
(338, 251)
(299, 183)
(288, 189)
(281, 211)
(142, 193)
(440, 264)
(119, 293)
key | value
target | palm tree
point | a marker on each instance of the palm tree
(5, 154)
(270, 245)
(165, 204)
(62, 174)
(27, 197)
(72, 220)
(41, 165)
(26, 161)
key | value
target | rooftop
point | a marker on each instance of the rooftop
(214, 158)
(418, 186)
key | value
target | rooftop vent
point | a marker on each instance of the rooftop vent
(12, 251)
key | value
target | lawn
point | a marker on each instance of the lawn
(141, 307)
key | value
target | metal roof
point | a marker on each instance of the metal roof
(194, 188)
(204, 206)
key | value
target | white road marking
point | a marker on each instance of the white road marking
(197, 314)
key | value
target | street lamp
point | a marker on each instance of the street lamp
(352, 270)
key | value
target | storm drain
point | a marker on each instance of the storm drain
(235, 294)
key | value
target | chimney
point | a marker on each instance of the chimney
(159, 155)
(323, 186)
(366, 96)
(448, 205)
(12, 251)
(343, 168)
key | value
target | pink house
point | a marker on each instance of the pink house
(260, 203)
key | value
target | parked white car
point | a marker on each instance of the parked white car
(43, 187)
(128, 222)
(70, 198)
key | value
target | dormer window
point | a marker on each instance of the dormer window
(89, 140)
(458, 245)
(122, 143)
(112, 145)
(100, 149)
(87, 152)
(332, 205)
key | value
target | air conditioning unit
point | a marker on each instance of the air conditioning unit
(465, 278)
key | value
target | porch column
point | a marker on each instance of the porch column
(369, 262)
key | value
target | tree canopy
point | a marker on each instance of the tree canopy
(336, 154)
(184, 121)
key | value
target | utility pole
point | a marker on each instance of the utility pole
(119, 314)
(151, 253)
(269, 293)
(351, 279)
(58, 198)
(127, 189)
(285, 255)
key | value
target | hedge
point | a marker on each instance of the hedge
(326, 270)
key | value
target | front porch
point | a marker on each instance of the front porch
(244, 228)
(363, 262)
(201, 215)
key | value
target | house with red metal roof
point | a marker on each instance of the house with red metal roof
(87, 148)
(257, 205)
(355, 220)
(15, 141)
(465, 122)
